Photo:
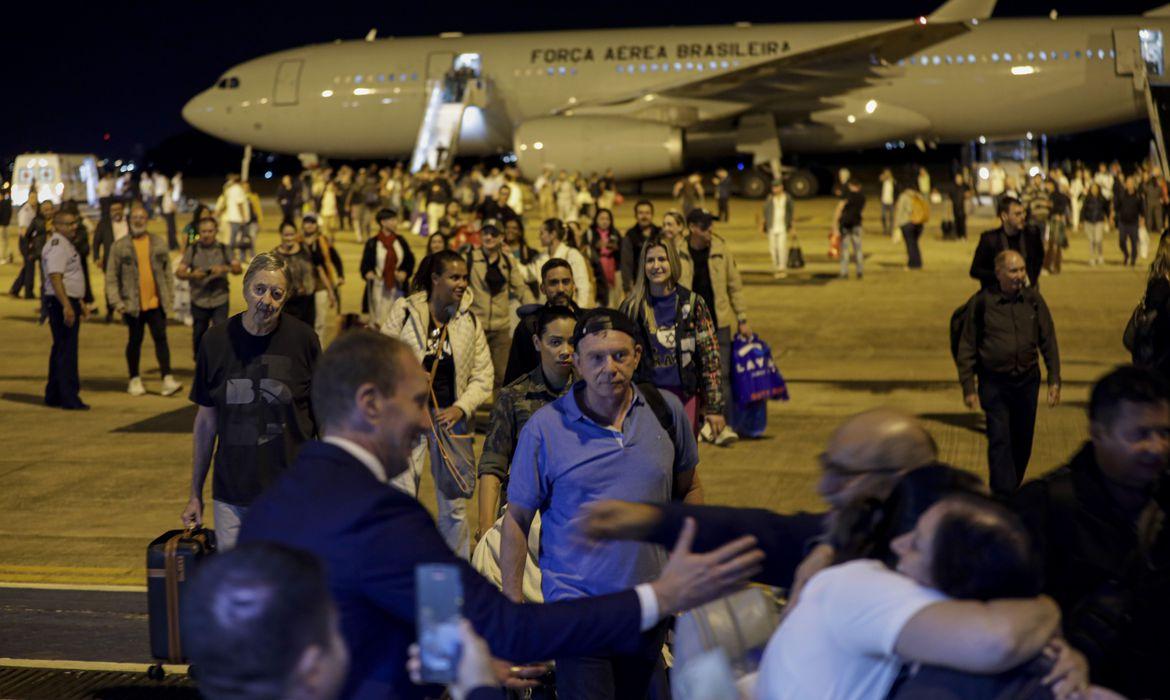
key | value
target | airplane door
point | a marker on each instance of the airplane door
(1128, 47)
(288, 80)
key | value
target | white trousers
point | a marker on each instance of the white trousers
(778, 246)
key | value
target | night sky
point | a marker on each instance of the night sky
(128, 70)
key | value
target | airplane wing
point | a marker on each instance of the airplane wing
(798, 81)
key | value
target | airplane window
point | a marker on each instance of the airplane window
(337, 79)
(936, 60)
(1066, 55)
(959, 59)
(735, 64)
(572, 71)
(1043, 56)
(381, 77)
(414, 76)
(901, 61)
(690, 66)
(629, 67)
(653, 67)
(1031, 56)
(1101, 53)
(551, 70)
(1077, 53)
(970, 58)
(665, 67)
(233, 83)
(621, 69)
(713, 65)
(678, 66)
(995, 58)
(699, 67)
(357, 79)
(925, 60)
(390, 77)
(950, 59)
(1007, 57)
(723, 64)
(1112, 54)
(561, 70)
(222, 84)
(642, 68)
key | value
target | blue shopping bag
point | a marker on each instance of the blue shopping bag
(754, 376)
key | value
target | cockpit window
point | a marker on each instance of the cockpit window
(230, 83)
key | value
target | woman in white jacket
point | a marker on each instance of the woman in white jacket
(461, 370)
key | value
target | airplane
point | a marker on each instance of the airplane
(647, 102)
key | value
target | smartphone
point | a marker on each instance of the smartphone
(707, 676)
(439, 600)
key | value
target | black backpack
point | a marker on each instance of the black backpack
(959, 319)
(657, 403)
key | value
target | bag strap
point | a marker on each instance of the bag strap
(662, 412)
(447, 458)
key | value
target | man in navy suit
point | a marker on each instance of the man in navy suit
(369, 396)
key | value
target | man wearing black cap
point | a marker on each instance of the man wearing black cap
(621, 448)
(709, 270)
(387, 264)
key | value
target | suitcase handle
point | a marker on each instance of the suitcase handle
(174, 639)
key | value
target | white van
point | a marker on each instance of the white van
(57, 176)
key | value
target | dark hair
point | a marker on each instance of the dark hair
(981, 551)
(287, 222)
(1006, 203)
(385, 213)
(552, 264)
(249, 614)
(196, 215)
(354, 358)
(1126, 383)
(548, 314)
(864, 529)
(700, 218)
(644, 203)
(433, 264)
(598, 213)
(556, 227)
(603, 319)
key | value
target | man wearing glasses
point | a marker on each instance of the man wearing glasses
(496, 279)
(64, 287)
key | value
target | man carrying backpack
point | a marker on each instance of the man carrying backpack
(1013, 234)
(1006, 328)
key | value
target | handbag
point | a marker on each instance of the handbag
(754, 375)
(455, 478)
(795, 255)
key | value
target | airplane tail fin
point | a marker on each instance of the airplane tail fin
(1163, 11)
(962, 11)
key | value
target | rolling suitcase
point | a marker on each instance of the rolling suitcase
(170, 560)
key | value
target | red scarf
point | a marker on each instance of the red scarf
(390, 271)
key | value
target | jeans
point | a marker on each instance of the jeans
(887, 219)
(156, 320)
(64, 385)
(237, 229)
(618, 677)
(1009, 403)
(452, 520)
(778, 247)
(227, 524)
(499, 343)
(1128, 233)
(1095, 230)
(851, 237)
(911, 234)
(204, 319)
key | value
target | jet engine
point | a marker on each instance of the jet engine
(631, 147)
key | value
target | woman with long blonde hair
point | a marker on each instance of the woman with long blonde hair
(680, 352)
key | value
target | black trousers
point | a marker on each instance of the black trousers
(724, 210)
(204, 319)
(1009, 404)
(910, 234)
(172, 235)
(156, 321)
(623, 677)
(26, 279)
(64, 385)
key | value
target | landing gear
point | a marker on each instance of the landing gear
(753, 185)
(801, 184)
(156, 672)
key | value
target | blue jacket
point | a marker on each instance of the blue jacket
(370, 536)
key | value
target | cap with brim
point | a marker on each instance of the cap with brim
(600, 319)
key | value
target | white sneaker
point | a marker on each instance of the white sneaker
(136, 388)
(170, 387)
(188, 321)
(705, 434)
(726, 437)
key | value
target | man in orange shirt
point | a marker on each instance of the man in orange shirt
(139, 286)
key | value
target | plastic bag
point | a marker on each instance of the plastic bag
(754, 375)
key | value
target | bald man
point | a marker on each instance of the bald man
(864, 457)
(1007, 328)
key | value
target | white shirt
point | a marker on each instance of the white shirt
(105, 187)
(647, 600)
(146, 185)
(888, 191)
(177, 187)
(236, 203)
(837, 643)
(121, 228)
(997, 179)
(59, 256)
(779, 222)
(160, 184)
(1105, 182)
(515, 197)
(25, 215)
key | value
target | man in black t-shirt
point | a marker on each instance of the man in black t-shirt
(251, 384)
(847, 221)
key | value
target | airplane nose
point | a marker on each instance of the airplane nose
(196, 111)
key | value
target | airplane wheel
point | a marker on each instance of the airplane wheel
(802, 184)
(156, 672)
(753, 185)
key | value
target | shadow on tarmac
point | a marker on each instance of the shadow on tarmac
(179, 420)
(967, 420)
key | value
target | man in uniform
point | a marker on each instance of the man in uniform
(64, 288)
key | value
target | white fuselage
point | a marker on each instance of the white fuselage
(366, 98)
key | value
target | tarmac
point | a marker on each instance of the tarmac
(81, 494)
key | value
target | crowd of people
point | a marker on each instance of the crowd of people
(608, 356)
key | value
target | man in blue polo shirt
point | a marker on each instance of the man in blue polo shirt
(602, 439)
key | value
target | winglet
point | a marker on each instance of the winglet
(962, 11)
(1163, 11)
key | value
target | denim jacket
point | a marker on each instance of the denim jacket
(122, 274)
